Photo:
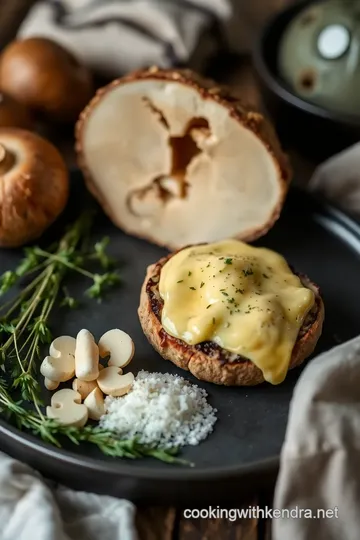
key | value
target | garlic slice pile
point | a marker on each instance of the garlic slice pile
(80, 358)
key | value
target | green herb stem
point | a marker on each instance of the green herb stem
(25, 321)
(66, 263)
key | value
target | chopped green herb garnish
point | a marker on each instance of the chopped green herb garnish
(208, 265)
(202, 284)
(248, 272)
(241, 291)
(207, 307)
(189, 274)
(180, 281)
(228, 261)
(265, 276)
(192, 288)
(224, 293)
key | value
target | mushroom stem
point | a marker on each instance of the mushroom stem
(6, 159)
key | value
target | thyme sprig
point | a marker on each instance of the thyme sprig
(24, 320)
(52, 432)
(24, 327)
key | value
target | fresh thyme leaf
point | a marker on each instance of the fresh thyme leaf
(7, 328)
(101, 283)
(7, 280)
(28, 263)
(100, 254)
(68, 301)
(40, 327)
(192, 288)
(202, 284)
(228, 261)
(28, 385)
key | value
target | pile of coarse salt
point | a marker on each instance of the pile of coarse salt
(161, 409)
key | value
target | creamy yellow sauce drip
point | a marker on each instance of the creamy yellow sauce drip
(245, 299)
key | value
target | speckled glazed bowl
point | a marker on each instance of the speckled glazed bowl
(302, 62)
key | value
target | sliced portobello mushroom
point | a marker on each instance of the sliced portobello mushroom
(178, 160)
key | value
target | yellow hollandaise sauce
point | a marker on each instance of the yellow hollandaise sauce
(244, 298)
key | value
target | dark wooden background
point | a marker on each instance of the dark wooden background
(169, 523)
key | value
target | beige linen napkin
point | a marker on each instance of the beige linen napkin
(321, 454)
(30, 510)
(116, 36)
(338, 179)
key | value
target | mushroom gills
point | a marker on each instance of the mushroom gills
(157, 151)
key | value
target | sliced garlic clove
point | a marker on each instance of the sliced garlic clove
(95, 404)
(66, 408)
(119, 346)
(112, 383)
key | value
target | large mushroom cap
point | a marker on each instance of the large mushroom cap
(34, 186)
(177, 160)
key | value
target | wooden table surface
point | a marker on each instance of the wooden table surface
(169, 523)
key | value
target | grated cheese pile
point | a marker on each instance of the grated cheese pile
(161, 409)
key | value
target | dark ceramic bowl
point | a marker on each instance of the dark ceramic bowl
(313, 130)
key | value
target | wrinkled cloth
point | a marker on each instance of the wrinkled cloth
(116, 36)
(112, 37)
(319, 464)
(338, 180)
(30, 509)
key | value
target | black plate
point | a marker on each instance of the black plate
(244, 448)
(319, 132)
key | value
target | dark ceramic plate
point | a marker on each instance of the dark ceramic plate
(315, 130)
(243, 451)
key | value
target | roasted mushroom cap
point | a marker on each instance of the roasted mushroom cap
(43, 76)
(177, 160)
(34, 186)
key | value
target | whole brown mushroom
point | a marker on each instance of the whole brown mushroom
(43, 76)
(14, 114)
(34, 186)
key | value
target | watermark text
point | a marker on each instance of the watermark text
(257, 512)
